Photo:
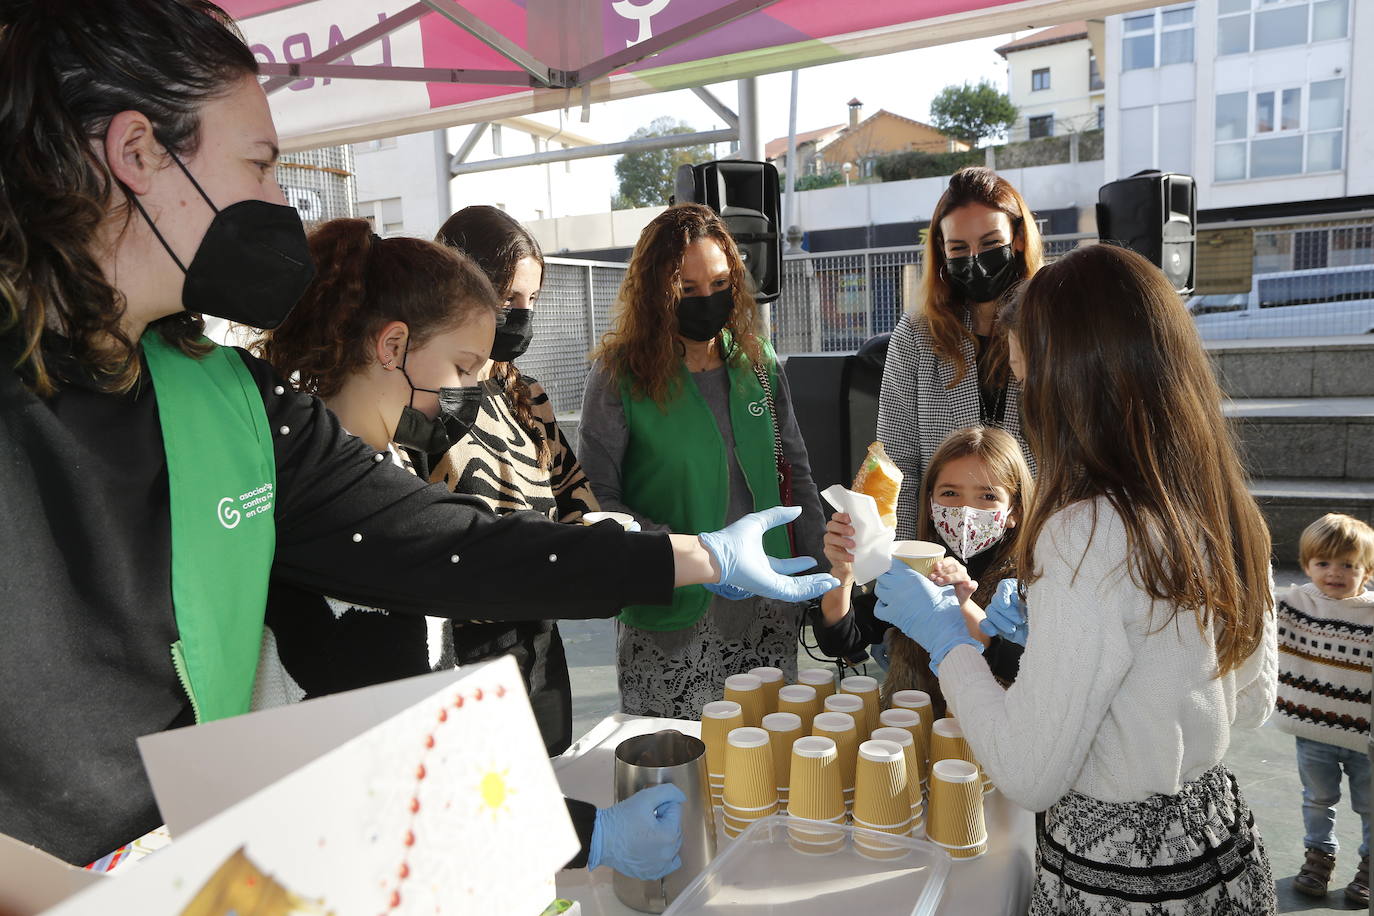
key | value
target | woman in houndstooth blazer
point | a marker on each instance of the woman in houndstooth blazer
(947, 365)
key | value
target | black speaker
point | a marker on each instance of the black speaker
(745, 194)
(1155, 214)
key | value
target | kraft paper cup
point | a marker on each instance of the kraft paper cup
(850, 705)
(881, 792)
(840, 727)
(749, 783)
(747, 691)
(904, 739)
(623, 519)
(919, 555)
(955, 820)
(771, 679)
(816, 792)
(801, 700)
(815, 838)
(870, 846)
(718, 719)
(919, 702)
(947, 742)
(866, 689)
(819, 678)
(909, 721)
(783, 729)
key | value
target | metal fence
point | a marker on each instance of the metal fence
(1298, 278)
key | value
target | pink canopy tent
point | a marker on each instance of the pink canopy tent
(349, 70)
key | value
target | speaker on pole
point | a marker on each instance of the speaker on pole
(1154, 214)
(745, 194)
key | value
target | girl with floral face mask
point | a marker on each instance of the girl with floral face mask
(971, 499)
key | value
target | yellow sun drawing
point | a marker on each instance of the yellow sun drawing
(495, 789)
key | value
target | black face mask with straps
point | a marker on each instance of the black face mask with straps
(985, 276)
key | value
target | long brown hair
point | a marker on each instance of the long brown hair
(362, 283)
(497, 242)
(64, 74)
(1120, 402)
(642, 345)
(942, 307)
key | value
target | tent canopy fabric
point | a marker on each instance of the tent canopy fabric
(342, 71)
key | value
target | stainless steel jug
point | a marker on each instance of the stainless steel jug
(651, 760)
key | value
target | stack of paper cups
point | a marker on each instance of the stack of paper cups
(909, 720)
(840, 727)
(718, 719)
(904, 739)
(747, 691)
(815, 805)
(849, 704)
(783, 728)
(750, 790)
(819, 678)
(882, 798)
(947, 742)
(866, 689)
(771, 679)
(919, 702)
(801, 700)
(956, 809)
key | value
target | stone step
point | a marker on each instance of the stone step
(1291, 504)
(1312, 367)
(1330, 438)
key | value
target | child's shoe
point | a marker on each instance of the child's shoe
(1357, 891)
(1315, 873)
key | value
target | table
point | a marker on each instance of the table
(998, 884)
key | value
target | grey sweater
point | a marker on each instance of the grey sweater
(602, 437)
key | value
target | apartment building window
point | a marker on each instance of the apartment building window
(1157, 38)
(1261, 25)
(1094, 73)
(384, 215)
(1101, 117)
(1270, 132)
(1040, 79)
(1041, 126)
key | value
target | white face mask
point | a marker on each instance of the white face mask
(968, 531)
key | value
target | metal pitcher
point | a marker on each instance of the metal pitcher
(651, 760)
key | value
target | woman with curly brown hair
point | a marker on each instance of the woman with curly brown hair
(686, 420)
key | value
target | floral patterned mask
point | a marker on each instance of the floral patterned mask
(969, 531)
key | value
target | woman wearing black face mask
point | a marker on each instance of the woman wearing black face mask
(682, 420)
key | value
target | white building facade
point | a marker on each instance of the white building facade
(1054, 80)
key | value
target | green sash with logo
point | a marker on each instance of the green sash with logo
(222, 475)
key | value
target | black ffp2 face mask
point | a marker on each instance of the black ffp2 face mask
(985, 276)
(414, 430)
(703, 317)
(252, 265)
(514, 335)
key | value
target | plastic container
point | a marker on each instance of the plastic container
(761, 873)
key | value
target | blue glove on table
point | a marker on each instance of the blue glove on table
(641, 836)
(1006, 613)
(928, 614)
(745, 570)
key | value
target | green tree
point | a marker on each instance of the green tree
(972, 112)
(646, 178)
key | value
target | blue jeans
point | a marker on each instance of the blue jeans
(1319, 766)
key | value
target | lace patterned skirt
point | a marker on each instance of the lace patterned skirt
(676, 672)
(1196, 853)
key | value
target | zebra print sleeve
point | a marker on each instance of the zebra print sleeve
(572, 491)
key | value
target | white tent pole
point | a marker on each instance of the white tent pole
(750, 131)
(356, 43)
(672, 141)
(790, 200)
(731, 119)
(464, 18)
(469, 144)
(306, 69)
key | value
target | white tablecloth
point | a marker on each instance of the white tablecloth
(998, 884)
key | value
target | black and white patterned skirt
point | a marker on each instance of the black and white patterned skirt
(1196, 853)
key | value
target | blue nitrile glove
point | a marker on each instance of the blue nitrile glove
(641, 836)
(1006, 613)
(738, 549)
(928, 614)
(727, 591)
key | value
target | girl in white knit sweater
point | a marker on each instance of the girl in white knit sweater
(1145, 568)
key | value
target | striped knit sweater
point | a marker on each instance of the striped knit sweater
(1325, 659)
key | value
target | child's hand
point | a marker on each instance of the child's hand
(950, 571)
(839, 540)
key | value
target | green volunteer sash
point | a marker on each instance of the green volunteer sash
(675, 471)
(222, 475)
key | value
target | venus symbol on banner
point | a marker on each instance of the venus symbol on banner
(640, 14)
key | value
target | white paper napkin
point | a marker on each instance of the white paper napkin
(872, 539)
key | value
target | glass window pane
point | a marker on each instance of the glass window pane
(1233, 35)
(1139, 23)
(1230, 164)
(1176, 47)
(1176, 17)
(1278, 156)
(1292, 109)
(1324, 151)
(1233, 6)
(1281, 27)
(1329, 19)
(1264, 112)
(1138, 52)
(1231, 120)
(1326, 105)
